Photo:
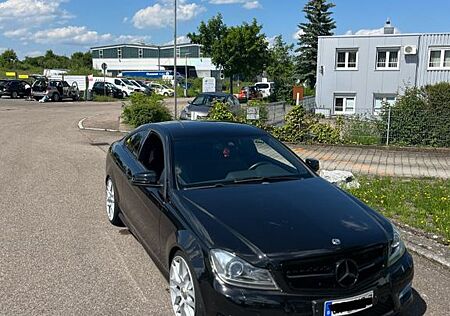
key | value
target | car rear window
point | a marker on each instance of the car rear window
(263, 86)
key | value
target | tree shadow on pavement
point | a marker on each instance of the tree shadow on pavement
(418, 306)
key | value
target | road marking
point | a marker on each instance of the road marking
(98, 129)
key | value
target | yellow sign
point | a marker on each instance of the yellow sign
(23, 77)
(10, 74)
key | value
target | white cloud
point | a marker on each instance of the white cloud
(183, 39)
(370, 32)
(78, 35)
(34, 53)
(72, 35)
(31, 13)
(297, 34)
(247, 4)
(160, 14)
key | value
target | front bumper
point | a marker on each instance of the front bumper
(392, 292)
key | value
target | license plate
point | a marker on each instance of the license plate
(347, 306)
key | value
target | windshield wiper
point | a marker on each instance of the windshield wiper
(268, 179)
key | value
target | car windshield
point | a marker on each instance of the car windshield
(217, 161)
(208, 100)
(135, 84)
(109, 85)
(127, 82)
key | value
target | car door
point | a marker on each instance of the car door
(142, 204)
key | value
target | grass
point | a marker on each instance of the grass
(103, 98)
(420, 203)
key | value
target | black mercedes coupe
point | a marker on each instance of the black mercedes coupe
(239, 225)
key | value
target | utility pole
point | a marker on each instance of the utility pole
(185, 74)
(175, 57)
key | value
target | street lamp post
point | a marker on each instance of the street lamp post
(175, 57)
(185, 74)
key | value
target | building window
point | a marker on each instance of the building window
(439, 58)
(387, 58)
(141, 53)
(344, 104)
(100, 53)
(347, 59)
(119, 53)
(178, 52)
(380, 100)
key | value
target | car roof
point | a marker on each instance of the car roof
(190, 129)
(216, 94)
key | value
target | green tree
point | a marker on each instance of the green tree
(8, 58)
(280, 68)
(209, 35)
(319, 23)
(238, 50)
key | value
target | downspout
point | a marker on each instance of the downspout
(418, 60)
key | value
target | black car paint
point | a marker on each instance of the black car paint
(166, 219)
(7, 88)
(98, 89)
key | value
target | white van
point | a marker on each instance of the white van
(266, 88)
(123, 84)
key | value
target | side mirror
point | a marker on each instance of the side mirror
(313, 164)
(148, 179)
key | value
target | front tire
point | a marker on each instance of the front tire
(184, 290)
(14, 95)
(55, 97)
(112, 208)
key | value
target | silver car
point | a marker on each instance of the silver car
(199, 108)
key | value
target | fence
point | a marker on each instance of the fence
(277, 110)
(416, 128)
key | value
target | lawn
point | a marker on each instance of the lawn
(420, 203)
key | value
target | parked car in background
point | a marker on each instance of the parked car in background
(111, 90)
(142, 88)
(13, 88)
(123, 84)
(201, 105)
(240, 225)
(161, 89)
(249, 93)
(266, 88)
(55, 90)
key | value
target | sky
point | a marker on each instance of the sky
(31, 27)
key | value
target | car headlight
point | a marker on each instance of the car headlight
(233, 270)
(397, 248)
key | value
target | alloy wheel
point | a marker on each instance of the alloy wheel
(110, 202)
(182, 291)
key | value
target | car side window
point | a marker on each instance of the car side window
(264, 149)
(117, 81)
(65, 84)
(152, 155)
(134, 142)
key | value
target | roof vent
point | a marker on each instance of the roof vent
(388, 28)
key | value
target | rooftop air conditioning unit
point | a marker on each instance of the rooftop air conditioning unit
(410, 50)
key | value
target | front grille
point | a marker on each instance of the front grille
(318, 273)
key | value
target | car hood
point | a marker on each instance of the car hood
(283, 219)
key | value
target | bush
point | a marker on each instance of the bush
(145, 109)
(221, 112)
(420, 117)
(362, 131)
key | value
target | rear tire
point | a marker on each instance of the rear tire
(14, 95)
(112, 207)
(55, 97)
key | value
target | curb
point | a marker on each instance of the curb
(81, 127)
(425, 247)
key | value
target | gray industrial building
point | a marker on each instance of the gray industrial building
(356, 74)
(143, 57)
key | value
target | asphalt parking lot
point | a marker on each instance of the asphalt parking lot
(59, 255)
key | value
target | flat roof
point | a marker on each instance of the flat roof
(143, 45)
(382, 35)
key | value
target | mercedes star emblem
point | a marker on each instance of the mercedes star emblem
(347, 273)
(335, 241)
